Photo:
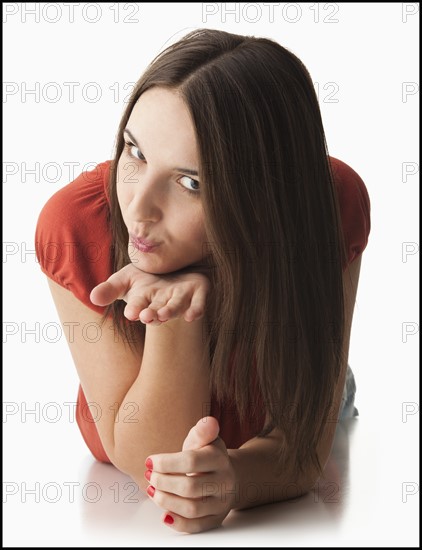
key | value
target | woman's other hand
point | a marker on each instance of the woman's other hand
(155, 299)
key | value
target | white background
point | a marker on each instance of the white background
(370, 54)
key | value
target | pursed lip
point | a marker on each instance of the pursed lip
(144, 242)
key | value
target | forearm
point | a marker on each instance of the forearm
(257, 482)
(170, 394)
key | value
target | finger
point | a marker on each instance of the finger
(115, 288)
(187, 507)
(135, 306)
(149, 314)
(197, 306)
(185, 525)
(175, 307)
(203, 433)
(201, 485)
(202, 460)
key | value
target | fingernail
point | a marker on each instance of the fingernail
(168, 519)
(148, 464)
(147, 474)
(151, 491)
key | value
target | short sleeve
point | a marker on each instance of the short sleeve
(355, 208)
(73, 236)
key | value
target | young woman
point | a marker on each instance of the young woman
(222, 245)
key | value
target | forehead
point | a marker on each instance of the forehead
(160, 118)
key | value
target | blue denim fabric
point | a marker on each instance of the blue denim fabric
(347, 407)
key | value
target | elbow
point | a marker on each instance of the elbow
(130, 458)
(135, 469)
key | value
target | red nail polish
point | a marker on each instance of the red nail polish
(168, 519)
(151, 491)
(148, 464)
(147, 474)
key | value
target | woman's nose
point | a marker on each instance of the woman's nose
(147, 200)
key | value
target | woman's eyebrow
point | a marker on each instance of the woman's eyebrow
(135, 142)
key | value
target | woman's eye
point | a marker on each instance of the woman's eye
(190, 182)
(134, 151)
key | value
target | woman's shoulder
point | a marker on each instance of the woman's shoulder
(343, 172)
(355, 206)
(73, 235)
(88, 189)
(349, 182)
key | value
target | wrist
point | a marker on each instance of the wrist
(179, 324)
(235, 493)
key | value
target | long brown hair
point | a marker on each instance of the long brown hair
(273, 228)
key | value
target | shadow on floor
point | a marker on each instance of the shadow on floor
(110, 499)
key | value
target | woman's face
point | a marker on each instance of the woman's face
(157, 169)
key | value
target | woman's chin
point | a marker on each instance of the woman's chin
(154, 266)
(147, 267)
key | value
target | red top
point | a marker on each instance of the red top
(73, 245)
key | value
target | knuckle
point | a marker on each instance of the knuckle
(192, 509)
(159, 498)
(211, 490)
(202, 490)
(189, 489)
(192, 461)
(179, 293)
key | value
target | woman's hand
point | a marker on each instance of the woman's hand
(155, 298)
(197, 486)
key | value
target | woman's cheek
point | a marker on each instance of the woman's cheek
(200, 237)
(121, 196)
